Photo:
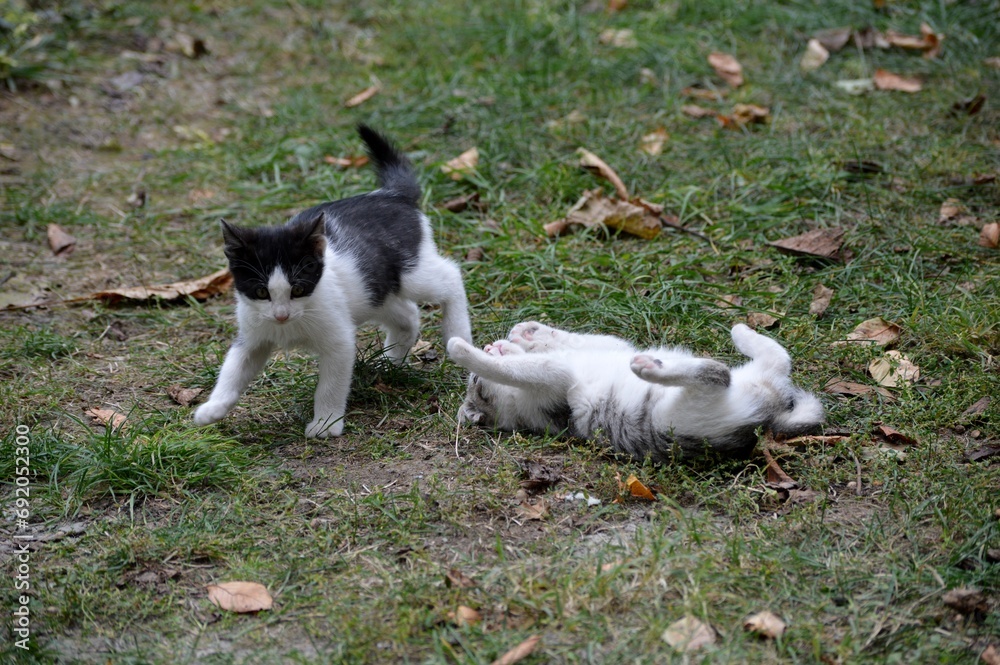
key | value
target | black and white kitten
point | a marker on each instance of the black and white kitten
(311, 282)
(663, 403)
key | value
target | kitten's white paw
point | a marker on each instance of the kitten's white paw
(534, 336)
(502, 347)
(644, 365)
(743, 334)
(325, 428)
(459, 348)
(210, 412)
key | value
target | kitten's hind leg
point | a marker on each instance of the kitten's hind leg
(401, 321)
(761, 349)
(681, 370)
(537, 337)
(241, 365)
(438, 280)
(520, 370)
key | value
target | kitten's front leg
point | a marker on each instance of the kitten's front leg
(242, 364)
(330, 402)
(681, 371)
(521, 370)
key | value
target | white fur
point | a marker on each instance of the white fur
(639, 399)
(325, 322)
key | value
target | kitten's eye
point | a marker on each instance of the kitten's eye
(261, 293)
(297, 291)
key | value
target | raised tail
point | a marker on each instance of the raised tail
(394, 171)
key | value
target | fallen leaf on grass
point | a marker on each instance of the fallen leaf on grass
(893, 370)
(893, 435)
(240, 597)
(61, 243)
(461, 203)
(183, 396)
(362, 97)
(760, 320)
(465, 616)
(821, 300)
(953, 212)
(970, 106)
(536, 511)
(853, 389)
(727, 67)
(819, 243)
(595, 209)
(990, 235)
(689, 634)
(459, 580)
(834, 39)
(980, 454)
(873, 331)
(766, 624)
(595, 164)
(639, 490)
(623, 38)
(868, 38)
(929, 41)
(107, 417)
(978, 407)
(967, 601)
(695, 111)
(354, 162)
(776, 476)
(743, 115)
(706, 94)
(653, 142)
(815, 56)
(199, 289)
(462, 165)
(886, 80)
(520, 652)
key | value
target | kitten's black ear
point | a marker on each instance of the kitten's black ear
(316, 236)
(232, 236)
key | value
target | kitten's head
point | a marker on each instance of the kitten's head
(479, 407)
(276, 269)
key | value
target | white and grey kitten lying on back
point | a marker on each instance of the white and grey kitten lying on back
(663, 403)
(332, 267)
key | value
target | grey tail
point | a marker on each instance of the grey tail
(395, 174)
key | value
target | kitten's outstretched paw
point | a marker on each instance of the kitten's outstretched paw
(534, 336)
(502, 347)
(743, 335)
(325, 428)
(210, 412)
(645, 366)
(459, 348)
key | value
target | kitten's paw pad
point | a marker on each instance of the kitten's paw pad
(713, 373)
(534, 336)
(644, 365)
(325, 428)
(210, 412)
(502, 347)
(459, 348)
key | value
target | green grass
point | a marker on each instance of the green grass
(354, 537)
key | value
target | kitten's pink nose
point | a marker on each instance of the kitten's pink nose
(281, 317)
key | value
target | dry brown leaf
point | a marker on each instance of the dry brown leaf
(886, 80)
(461, 203)
(689, 634)
(979, 407)
(743, 115)
(776, 476)
(727, 67)
(970, 106)
(594, 209)
(814, 57)
(869, 37)
(240, 597)
(462, 165)
(893, 435)
(819, 243)
(595, 164)
(183, 396)
(61, 243)
(536, 511)
(459, 580)
(520, 652)
(762, 321)
(619, 38)
(465, 616)
(991, 656)
(706, 94)
(893, 370)
(929, 41)
(853, 389)
(953, 212)
(834, 39)
(346, 162)
(729, 301)
(873, 331)
(199, 289)
(695, 111)
(821, 300)
(990, 235)
(362, 97)
(967, 601)
(108, 417)
(652, 143)
(639, 490)
(766, 624)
